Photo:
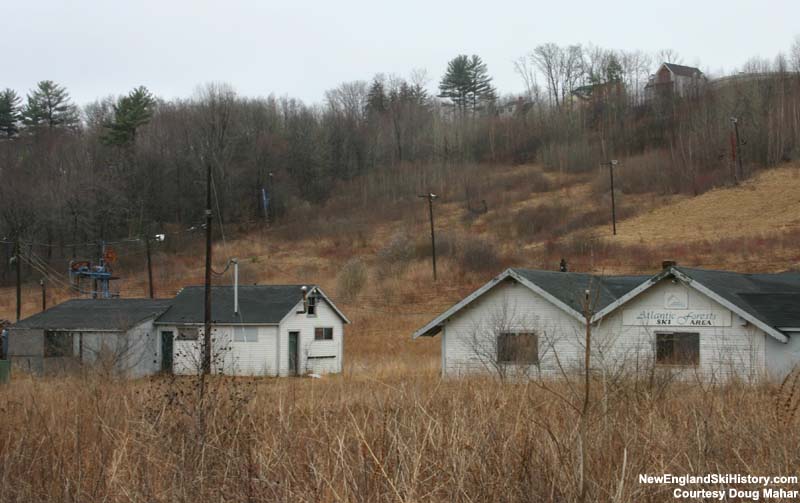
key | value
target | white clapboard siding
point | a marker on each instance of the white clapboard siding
(320, 357)
(468, 337)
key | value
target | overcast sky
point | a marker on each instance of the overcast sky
(301, 48)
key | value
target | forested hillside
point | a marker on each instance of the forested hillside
(121, 168)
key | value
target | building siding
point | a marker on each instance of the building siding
(319, 357)
(738, 349)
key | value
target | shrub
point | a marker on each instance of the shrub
(530, 222)
(395, 255)
(351, 279)
(478, 255)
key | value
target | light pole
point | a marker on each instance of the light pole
(611, 164)
(430, 197)
(737, 153)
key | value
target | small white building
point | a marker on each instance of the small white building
(267, 330)
(695, 322)
(112, 335)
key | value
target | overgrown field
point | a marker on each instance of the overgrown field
(394, 437)
(389, 429)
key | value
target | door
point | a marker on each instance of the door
(167, 338)
(293, 353)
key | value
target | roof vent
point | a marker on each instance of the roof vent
(666, 264)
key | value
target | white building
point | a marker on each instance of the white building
(113, 335)
(675, 80)
(709, 324)
(273, 330)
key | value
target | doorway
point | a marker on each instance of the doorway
(167, 338)
(294, 366)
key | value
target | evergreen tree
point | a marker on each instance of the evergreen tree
(9, 113)
(376, 97)
(467, 82)
(49, 105)
(130, 113)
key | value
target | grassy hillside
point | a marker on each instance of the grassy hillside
(374, 259)
(389, 429)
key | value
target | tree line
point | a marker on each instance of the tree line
(119, 167)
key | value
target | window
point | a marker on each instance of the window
(187, 334)
(323, 334)
(678, 349)
(518, 347)
(245, 334)
(57, 344)
(311, 307)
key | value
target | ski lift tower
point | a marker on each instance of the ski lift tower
(99, 275)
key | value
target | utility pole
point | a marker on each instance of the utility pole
(44, 294)
(207, 306)
(149, 266)
(430, 197)
(611, 164)
(737, 152)
(270, 201)
(18, 267)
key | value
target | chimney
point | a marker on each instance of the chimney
(304, 289)
(666, 264)
(235, 285)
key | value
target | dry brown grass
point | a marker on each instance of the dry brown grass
(389, 429)
(406, 437)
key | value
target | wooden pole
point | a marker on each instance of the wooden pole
(207, 302)
(149, 266)
(44, 294)
(18, 267)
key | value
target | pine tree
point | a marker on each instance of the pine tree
(49, 105)
(9, 113)
(467, 83)
(376, 98)
(130, 113)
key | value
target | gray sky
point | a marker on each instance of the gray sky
(301, 48)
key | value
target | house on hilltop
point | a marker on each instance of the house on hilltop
(273, 330)
(672, 80)
(117, 334)
(705, 324)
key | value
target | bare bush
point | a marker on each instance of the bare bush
(351, 279)
(478, 255)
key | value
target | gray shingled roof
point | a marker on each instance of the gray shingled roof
(260, 304)
(772, 298)
(569, 287)
(95, 314)
(686, 71)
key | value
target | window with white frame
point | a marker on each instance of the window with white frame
(311, 305)
(245, 334)
(323, 334)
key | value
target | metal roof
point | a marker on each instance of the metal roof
(258, 304)
(95, 314)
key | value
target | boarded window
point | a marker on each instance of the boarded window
(57, 344)
(187, 333)
(323, 334)
(518, 347)
(245, 334)
(678, 349)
